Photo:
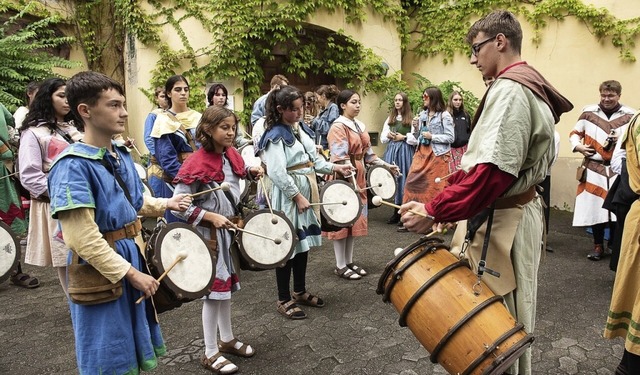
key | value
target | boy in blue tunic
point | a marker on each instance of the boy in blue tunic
(118, 337)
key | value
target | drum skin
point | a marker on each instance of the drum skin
(434, 293)
(261, 253)
(192, 277)
(382, 182)
(9, 251)
(337, 214)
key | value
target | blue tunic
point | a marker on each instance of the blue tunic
(116, 337)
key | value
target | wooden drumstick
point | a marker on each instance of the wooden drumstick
(344, 203)
(223, 186)
(371, 187)
(277, 241)
(440, 179)
(377, 200)
(9, 175)
(274, 220)
(133, 145)
(181, 256)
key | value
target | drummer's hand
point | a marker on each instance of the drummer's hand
(415, 223)
(256, 172)
(344, 169)
(218, 221)
(130, 142)
(179, 202)
(301, 202)
(319, 149)
(143, 282)
(395, 169)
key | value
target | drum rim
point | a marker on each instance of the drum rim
(157, 263)
(374, 189)
(18, 254)
(146, 173)
(294, 240)
(323, 210)
(148, 186)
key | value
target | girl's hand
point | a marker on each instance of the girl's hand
(256, 172)
(179, 202)
(426, 135)
(392, 136)
(301, 202)
(344, 169)
(218, 220)
(395, 170)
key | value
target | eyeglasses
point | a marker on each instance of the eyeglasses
(475, 48)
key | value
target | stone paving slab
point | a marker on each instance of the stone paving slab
(356, 333)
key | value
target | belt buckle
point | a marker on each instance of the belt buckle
(130, 229)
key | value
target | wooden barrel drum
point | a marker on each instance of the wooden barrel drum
(434, 293)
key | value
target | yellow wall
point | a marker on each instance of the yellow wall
(574, 62)
(381, 37)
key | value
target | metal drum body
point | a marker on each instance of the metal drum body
(9, 251)
(382, 182)
(340, 215)
(464, 332)
(261, 253)
(192, 277)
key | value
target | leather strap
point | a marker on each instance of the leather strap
(130, 230)
(516, 200)
(308, 164)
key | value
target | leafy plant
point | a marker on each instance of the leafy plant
(24, 55)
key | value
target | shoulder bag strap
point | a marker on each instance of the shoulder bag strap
(109, 167)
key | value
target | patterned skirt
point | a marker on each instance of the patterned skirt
(421, 183)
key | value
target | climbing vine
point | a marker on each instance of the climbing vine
(244, 34)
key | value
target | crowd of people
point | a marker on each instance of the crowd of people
(476, 174)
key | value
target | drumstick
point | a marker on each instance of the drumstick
(277, 241)
(223, 186)
(439, 179)
(266, 198)
(134, 146)
(344, 203)
(181, 256)
(398, 250)
(371, 187)
(9, 175)
(377, 200)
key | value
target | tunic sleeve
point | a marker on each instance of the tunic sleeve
(153, 207)
(193, 214)
(148, 126)
(82, 235)
(276, 160)
(32, 176)
(167, 155)
(338, 142)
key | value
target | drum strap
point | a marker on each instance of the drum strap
(482, 264)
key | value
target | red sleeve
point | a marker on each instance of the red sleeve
(469, 193)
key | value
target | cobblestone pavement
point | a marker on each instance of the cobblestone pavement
(356, 333)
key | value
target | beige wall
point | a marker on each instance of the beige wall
(381, 37)
(574, 62)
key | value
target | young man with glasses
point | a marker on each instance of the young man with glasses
(509, 152)
(596, 124)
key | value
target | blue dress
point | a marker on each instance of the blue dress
(118, 337)
(399, 153)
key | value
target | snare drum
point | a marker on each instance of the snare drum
(338, 214)
(261, 253)
(465, 327)
(192, 277)
(9, 251)
(382, 182)
(142, 171)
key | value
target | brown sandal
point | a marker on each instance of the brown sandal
(291, 310)
(308, 299)
(208, 363)
(357, 269)
(347, 273)
(230, 348)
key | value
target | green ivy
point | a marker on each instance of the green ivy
(23, 56)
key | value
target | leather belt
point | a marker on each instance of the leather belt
(130, 230)
(516, 200)
(300, 166)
